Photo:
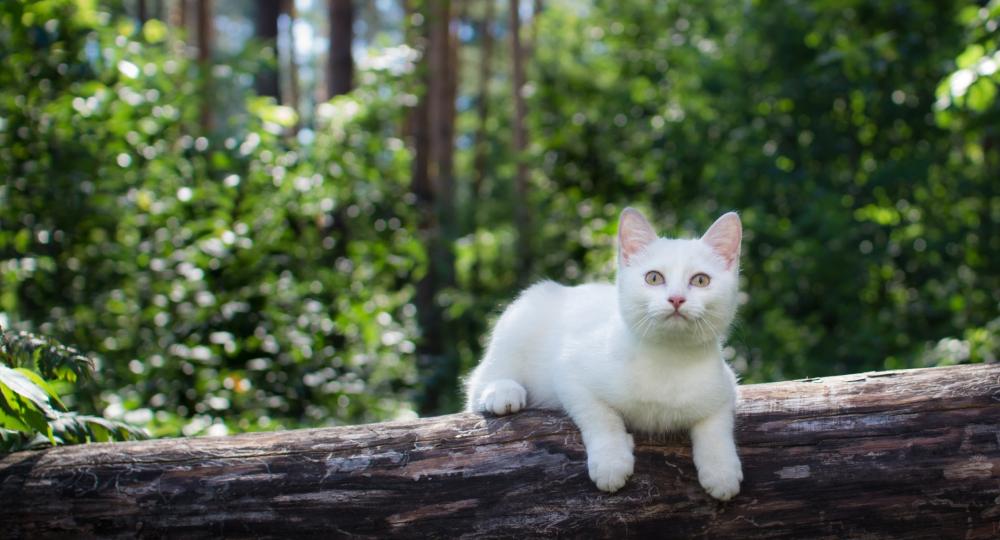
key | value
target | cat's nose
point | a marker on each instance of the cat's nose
(676, 301)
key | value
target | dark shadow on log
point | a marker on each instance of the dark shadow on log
(906, 454)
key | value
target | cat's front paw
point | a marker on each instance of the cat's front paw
(611, 464)
(722, 479)
(503, 397)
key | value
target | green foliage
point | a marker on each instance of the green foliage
(31, 412)
(230, 278)
(239, 275)
(973, 86)
(868, 226)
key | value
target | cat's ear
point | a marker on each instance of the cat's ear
(634, 234)
(724, 236)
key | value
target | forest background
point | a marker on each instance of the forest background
(277, 214)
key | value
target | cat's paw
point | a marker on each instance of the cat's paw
(721, 479)
(503, 397)
(611, 464)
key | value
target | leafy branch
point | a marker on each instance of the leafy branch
(31, 413)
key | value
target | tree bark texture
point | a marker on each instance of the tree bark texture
(904, 454)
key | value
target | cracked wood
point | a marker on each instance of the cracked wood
(904, 454)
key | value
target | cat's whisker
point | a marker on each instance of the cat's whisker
(715, 330)
(646, 324)
(704, 329)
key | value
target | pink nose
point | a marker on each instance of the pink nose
(676, 301)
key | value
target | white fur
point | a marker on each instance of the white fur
(611, 358)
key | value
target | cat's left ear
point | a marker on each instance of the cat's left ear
(724, 236)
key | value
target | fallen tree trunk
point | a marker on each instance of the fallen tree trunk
(911, 454)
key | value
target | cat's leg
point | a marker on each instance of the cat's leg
(714, 450)
(518, 354)
(610, 460)
(493, 386)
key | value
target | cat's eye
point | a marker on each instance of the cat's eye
(700, 280)
(654, 278)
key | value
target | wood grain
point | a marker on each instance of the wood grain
(904, 454)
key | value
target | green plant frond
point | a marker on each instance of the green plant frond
(16, 382)
(41, 383)
(32, 415)
(51, 359)
(74, 428)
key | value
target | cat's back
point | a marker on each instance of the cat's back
(551, 309)
(589, 306)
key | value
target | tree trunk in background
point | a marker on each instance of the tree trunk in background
(522, 213)
(535, 12)
(266, 30)
(204, 30)
(433, 186)
(177, 13)
(142, 13)
(441, 113)
(482, 136)
(340, 71)
(291, 97)
(903, 454)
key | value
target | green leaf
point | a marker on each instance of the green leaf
(40, 382)
(23, 386)
(981, 95)
(970, 56)
(10, 420)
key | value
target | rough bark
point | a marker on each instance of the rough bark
(905, 454)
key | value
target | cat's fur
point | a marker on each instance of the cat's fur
(617, 357)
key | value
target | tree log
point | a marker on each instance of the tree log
(902, 454)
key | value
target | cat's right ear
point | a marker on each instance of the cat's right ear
(725, 236)
(634, 234)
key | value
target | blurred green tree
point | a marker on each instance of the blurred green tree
(232, 277)
(204, 268)
(869, 225)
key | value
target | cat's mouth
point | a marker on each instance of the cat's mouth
(677, 314)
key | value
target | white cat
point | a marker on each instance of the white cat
(643, 354)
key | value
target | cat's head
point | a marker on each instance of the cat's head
(680, 290)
